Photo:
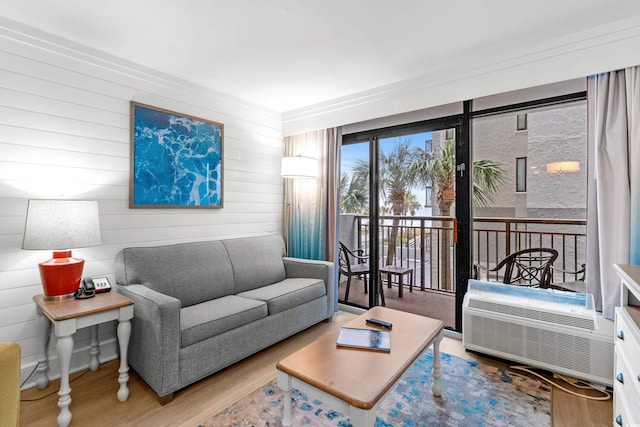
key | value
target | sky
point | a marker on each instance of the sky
(353, 152)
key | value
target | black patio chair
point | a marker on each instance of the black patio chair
(353, 263)
(575, 285)
(528, 267)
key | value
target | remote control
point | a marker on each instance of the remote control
(379, 322)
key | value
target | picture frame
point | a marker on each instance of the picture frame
(177, 160)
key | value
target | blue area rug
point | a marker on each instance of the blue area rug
(472, 395)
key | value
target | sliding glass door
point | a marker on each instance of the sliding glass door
(398, 210)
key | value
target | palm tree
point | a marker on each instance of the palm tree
(439, 168)
(407, 167)
(354, 195)
(411, 204)
(396, 178)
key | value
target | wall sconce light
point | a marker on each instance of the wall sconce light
(299, 167)
(561, 167)
(61, 225)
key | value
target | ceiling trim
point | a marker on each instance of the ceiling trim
(39, 39)
(577, 55)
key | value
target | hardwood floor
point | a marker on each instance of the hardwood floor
(94, 401)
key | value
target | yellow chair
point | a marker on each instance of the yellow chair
(10, 384)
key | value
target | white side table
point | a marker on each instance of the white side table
(69, 315)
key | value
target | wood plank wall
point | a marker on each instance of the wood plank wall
(64, 131)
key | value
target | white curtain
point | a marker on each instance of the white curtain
(632, 76)
(311, 204)
(614, 190)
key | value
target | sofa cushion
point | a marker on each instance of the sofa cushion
(287, 294)
(191, 272)
(205, 320)
(257, 261)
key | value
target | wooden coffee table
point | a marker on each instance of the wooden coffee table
(355, 381)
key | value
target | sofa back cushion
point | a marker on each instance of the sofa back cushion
(257, 261)
(191, 272)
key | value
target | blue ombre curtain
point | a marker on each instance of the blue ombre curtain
(311, 204)
(613, 206)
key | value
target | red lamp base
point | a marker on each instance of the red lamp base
(61, 275)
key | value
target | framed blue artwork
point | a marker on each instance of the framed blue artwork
(176, 160)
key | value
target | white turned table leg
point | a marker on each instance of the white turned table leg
(94, 351)
(124, 333)
(285, 384)
(436, 387)
(42, 376)
(65, 348)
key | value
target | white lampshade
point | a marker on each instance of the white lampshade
(61, 224)
(299, 167)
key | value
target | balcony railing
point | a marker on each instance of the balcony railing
(426, 244)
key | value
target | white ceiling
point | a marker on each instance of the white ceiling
(289, 54)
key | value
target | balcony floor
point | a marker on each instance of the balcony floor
(435, 304)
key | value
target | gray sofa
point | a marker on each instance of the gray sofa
(202, 306)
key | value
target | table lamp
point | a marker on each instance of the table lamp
(61, 225)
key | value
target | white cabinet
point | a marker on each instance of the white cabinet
(626, 390)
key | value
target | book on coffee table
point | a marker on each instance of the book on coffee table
(367, 339)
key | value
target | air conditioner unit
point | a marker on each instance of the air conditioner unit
(549, 329)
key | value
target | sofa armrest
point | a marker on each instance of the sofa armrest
(155, 337)
(324, 270)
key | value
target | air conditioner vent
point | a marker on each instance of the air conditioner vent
(552, 331)
(534, 314)
(560, 349)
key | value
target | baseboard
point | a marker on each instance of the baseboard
(452, 334)
(350, 309)
(80, 359)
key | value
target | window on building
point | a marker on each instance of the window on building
(521, 174)
(521, 122)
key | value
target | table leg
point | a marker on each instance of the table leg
(400, 285)
(65, 348)
(94, 363)
(361, 418)
(411, 281)
(389, 280)
(284, 383)
(42, 376)
(124, 333)
(436, 387)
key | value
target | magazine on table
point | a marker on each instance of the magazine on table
(368, 339)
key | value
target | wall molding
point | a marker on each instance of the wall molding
(34, 37)
(599, 49)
